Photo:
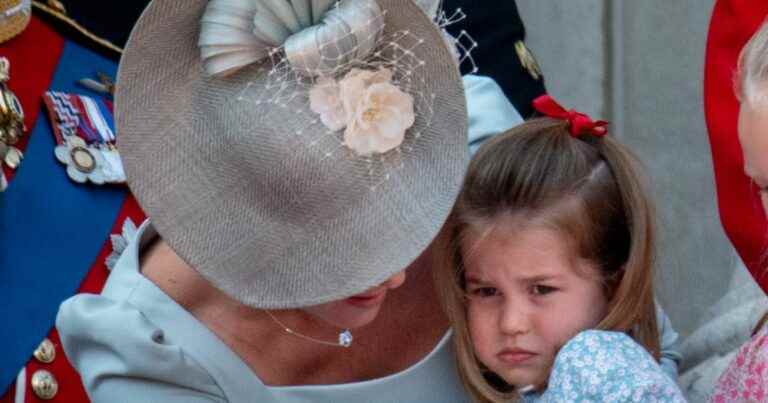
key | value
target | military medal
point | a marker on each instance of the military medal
(85, 137)
(11, 123)
(11, 113)
(84, 161)
(65, 118)
(13, 157)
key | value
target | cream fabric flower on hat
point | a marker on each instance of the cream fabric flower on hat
(325, 100)
(374, 112)
(335, 101)
(381, 117)
(354, 84)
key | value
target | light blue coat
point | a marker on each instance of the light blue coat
(133, 343)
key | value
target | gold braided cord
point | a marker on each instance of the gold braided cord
(72, 23)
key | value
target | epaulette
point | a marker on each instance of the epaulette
(501, 52)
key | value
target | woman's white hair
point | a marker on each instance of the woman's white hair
(751, 82)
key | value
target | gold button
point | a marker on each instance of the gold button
(44, 384)
(45, 352)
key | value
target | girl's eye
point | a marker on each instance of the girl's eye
(539, 289)
(483, 292)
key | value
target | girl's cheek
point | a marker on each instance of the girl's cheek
(480, 316)
(476, 310)
(476, 326)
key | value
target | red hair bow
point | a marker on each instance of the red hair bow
(579, 123)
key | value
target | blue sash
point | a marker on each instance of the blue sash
(51, 229)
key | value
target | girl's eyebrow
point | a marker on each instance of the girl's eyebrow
(540, 278)
(469, 278)
(474, 279)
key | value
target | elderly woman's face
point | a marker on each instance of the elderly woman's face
(357, 310)
(753, 136)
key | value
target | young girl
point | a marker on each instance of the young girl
(746, 377)
(552, 236)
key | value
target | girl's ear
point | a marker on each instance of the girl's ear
(611, 284)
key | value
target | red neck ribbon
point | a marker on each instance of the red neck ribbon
(579, 123)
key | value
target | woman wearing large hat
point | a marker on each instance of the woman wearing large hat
(294, 157)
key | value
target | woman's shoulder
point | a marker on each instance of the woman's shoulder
(112, 345)
(118, 340)
(596, 365)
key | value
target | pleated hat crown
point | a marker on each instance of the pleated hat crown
(245, 177)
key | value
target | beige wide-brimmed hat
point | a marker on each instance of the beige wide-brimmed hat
(289, 177)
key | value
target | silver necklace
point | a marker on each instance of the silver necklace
(345, 337)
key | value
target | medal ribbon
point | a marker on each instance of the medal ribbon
(87, 130)
(96, 118)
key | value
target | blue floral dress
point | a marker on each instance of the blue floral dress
(601, 366)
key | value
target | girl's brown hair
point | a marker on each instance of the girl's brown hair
(589, 189)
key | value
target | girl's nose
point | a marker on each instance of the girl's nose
(514, 319)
